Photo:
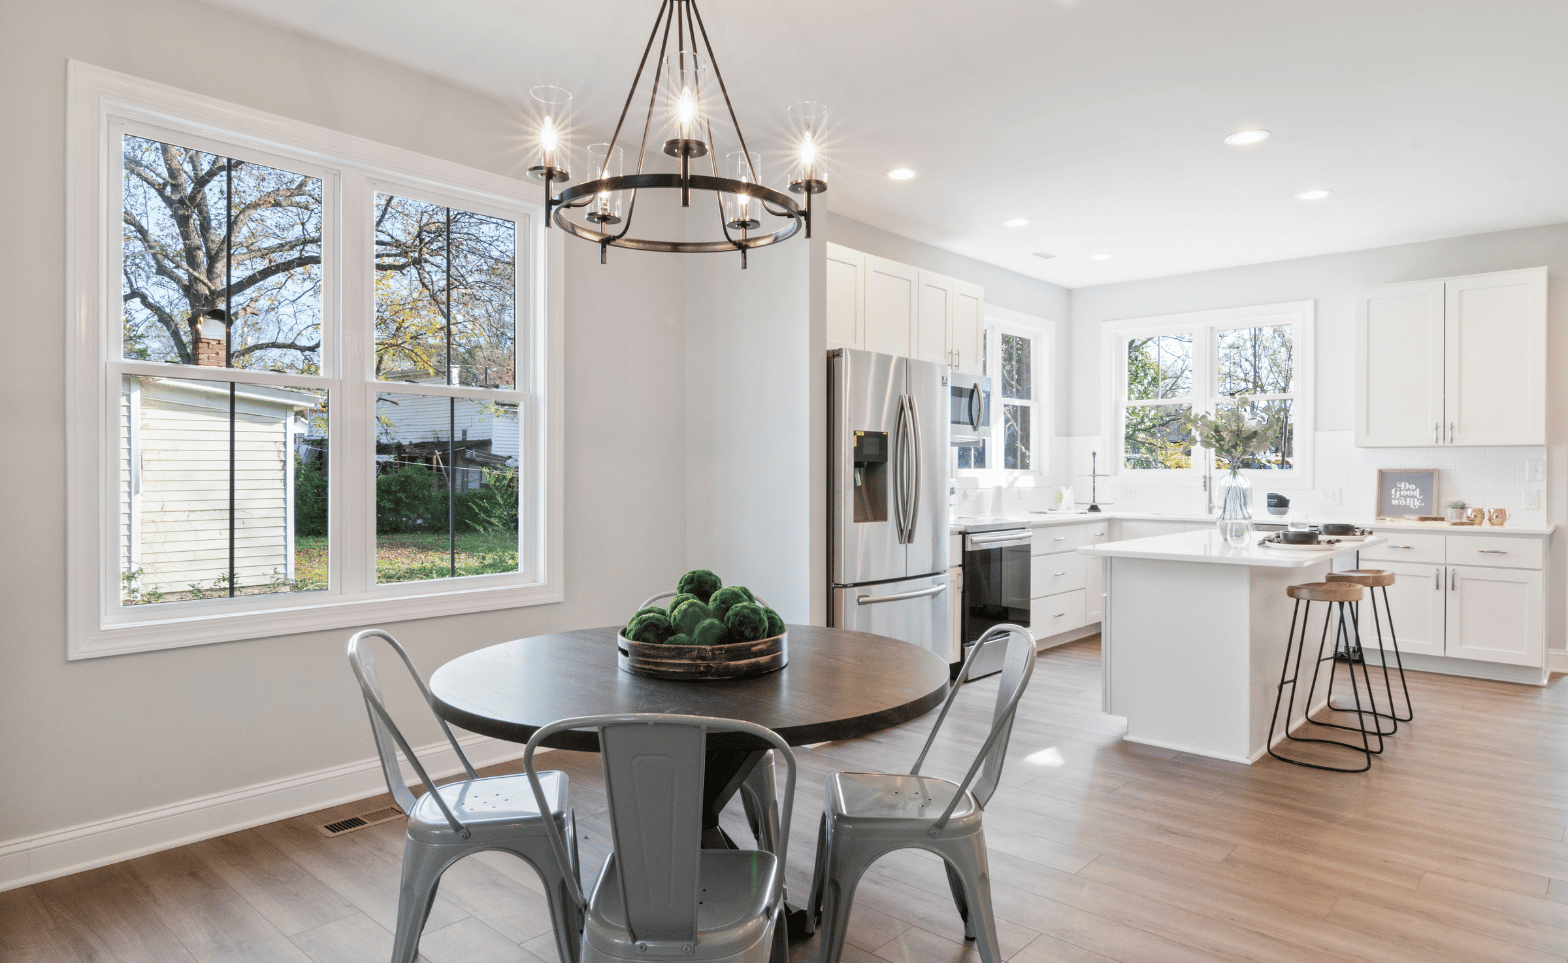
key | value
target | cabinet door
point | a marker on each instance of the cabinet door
(933, 318)
(1495, 347)
(968, 307)
(846, 283)
(891, 301)
(1494, 615)
(1399, 365)
(1094, 591)
(1416, 603)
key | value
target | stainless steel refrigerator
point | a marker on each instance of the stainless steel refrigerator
(887, 497)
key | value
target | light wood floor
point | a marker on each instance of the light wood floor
(1451, 849)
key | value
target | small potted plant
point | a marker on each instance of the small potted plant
(1455, 510)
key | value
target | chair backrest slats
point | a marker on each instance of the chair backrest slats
(1017, 668)
(653, 776)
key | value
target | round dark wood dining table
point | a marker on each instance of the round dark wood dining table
(838, 685)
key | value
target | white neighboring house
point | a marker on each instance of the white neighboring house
(418, 426)
(174, 483)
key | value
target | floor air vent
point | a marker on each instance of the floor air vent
(350, 823)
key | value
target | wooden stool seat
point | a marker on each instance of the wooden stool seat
(1365, 577)
(1325, 592)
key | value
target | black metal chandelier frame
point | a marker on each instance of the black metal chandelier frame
(686, 20)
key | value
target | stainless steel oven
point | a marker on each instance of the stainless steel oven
(996, 588)
(968, 409)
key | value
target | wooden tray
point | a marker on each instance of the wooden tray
(702, 663)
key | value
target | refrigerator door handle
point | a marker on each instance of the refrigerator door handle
(917, 594)
(915, 463)
(900, 440)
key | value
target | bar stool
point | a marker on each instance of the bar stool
(1372, 579)
(1340, 593)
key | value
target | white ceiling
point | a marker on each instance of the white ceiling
(1099, 120)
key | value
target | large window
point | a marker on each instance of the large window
(309, 379)
(1163, 370)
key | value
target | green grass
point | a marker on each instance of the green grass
(407, 558)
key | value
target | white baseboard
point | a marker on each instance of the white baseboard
(1473, 669)
(1042, 643)
(1556, 660)
(66, 851)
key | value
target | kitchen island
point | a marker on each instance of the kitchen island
(1194, 635)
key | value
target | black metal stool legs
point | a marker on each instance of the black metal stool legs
(1393, 714)
(1301, 616)
(1346, 642)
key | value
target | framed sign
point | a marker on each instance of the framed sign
(1406, 492)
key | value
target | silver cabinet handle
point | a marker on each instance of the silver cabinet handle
(1401, 546)
(1058, 615)
(1450, 433)
(1490, 551)
(1061, 538)
(1453, 579)
(1437, 579)
(917, 594)
(1057, 574)
(1437, 432)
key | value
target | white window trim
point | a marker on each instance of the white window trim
(97, 625)
(1204, 325)
(994, 321)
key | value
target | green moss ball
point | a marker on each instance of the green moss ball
(690, 615)
(675, 602)
(679, 638)
(727, 596)
(653, 628)
(699, 582)
(642, 611)
(710, 632)
(775, 624)
(747, 622)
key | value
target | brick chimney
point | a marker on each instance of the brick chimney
(207, 332)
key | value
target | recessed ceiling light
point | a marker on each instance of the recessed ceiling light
(900, 174)
(1316, 194)
(1244, 138)
(1015, 222)
(1099, 257)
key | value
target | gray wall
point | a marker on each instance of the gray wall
(90, 740)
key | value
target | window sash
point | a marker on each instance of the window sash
(104, 106)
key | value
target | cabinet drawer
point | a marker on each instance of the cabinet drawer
(1053, 574)
(1059, 538)
(1056, 614)
(1097, 533)
(1495, 550)
(1409, 547)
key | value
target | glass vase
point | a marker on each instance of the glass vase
(1233, 495)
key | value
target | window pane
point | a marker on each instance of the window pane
(446, 487)
(176, 217)
(1279, 416)
(1017, 369)
(1016, 437)
(1256, 360)
(1159, 367)
(180, 500)
(1154, 436)
(971, 456)
(436, 265)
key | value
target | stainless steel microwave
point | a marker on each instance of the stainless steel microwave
(968, 408)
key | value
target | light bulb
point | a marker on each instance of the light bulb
(549, 138)
(686, 109)
(808, 152)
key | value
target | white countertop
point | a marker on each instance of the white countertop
(1208, 546)
(1044, 520)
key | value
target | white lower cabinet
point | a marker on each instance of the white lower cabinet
(1494, 615)
(1056, 614)
(1059, 578)
(1490, 612)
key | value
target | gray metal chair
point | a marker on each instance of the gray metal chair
(462, 818)
(660, 894)
(868, 815)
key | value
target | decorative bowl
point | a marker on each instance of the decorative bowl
(702, 663)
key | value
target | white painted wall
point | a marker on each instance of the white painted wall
(1330, 281)
(749, 419)
(95, 739)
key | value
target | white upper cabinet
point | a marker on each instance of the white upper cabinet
(881, 305)
(1453, 361)
(1494, 335)
(934, 319)
(891, 301)
(846, 281)
(965, 329)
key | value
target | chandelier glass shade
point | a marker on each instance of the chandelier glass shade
(686, 99)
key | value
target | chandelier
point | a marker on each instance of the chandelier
(685, 110)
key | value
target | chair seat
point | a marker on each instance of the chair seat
(732, 906)
(1367, 577)
(489, 806)
(874, 803)
(1325, 592)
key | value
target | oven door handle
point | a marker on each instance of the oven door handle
(917, 594)
(1003, 541)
